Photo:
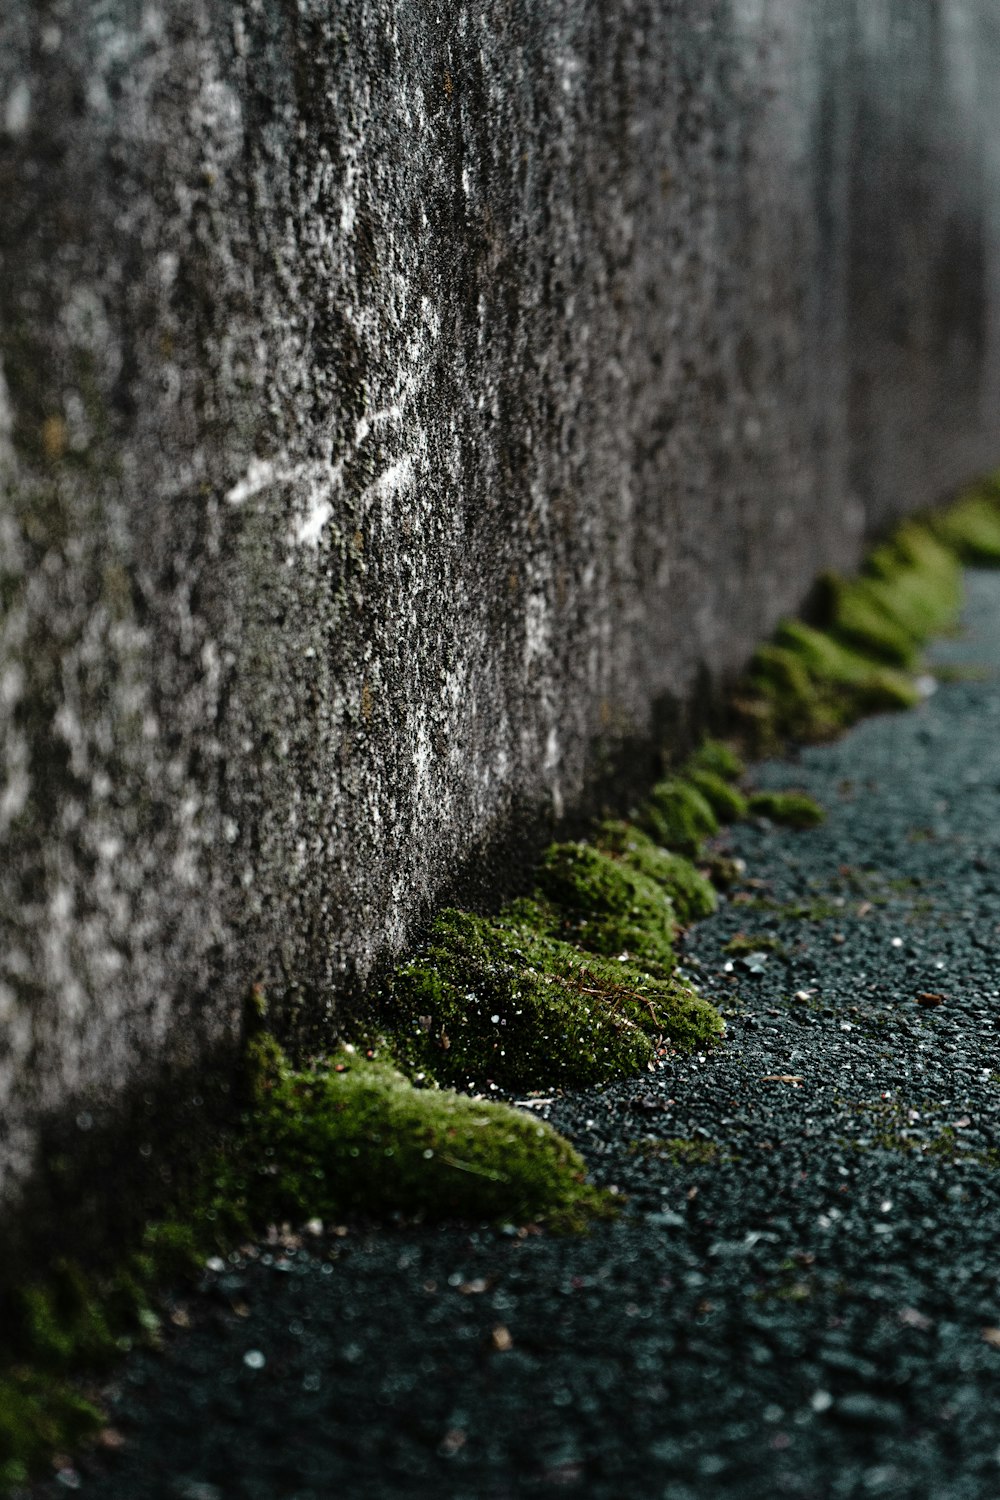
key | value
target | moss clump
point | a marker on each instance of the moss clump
(910, 589)
(507, 1004)
(728, 804)
(69, 1321)
(691, 894)
(495, 999)
(719, 758)
(782, 700)
(678, 816)
(868, 685)
(356, 1135)
(861, 615)
(40, 1414)
(608, 907)
(971, 527)
(809, 683)
(791, 809)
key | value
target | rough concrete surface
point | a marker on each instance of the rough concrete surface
(401, 405)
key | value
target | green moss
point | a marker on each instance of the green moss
(971, 527)
(678, 816)
(869, 685)
(691, 894)
(349, 1135)
(810, 684)
(924, 577)
(66, 1322)
(608, 907)
(817, 910)
(680, 1151)
(59, 1323)
(728, 804)
(356, 1135)
(39, 1415)
(787, 701)
(743, 943)
(719, 758)
(495, 999)
(862, 616)
(792, 809)
(891, 1125)
(910, 589)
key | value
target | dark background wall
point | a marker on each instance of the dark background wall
(401, 405)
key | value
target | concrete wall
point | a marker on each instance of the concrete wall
(401, 404)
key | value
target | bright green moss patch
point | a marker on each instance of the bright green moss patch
(719, 758)
(863, 617)
(807, 685)
(791, 809)
(609, 907)
(725, 800)
(678, 816)
(869, 686)
(496, 1000)
(691, 894)
(356, 1135)
(810, 683)
(910, 589)
(781, 700)
(971, 527)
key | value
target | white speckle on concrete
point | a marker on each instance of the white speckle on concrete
(17, 108)
(260, 473)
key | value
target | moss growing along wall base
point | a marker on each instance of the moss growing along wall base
(574, 985)
(376, 485)
(861, 653)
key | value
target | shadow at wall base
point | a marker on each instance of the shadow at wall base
(105, 1167)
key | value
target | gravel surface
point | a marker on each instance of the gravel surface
(801, 1299)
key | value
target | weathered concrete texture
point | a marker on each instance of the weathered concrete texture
(399, 403)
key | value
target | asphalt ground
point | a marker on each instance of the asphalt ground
(802, 1298)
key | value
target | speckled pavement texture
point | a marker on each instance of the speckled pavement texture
(803, 1300)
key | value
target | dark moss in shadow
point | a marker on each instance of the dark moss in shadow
(349, 1134)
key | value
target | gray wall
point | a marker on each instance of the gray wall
(401, 404)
